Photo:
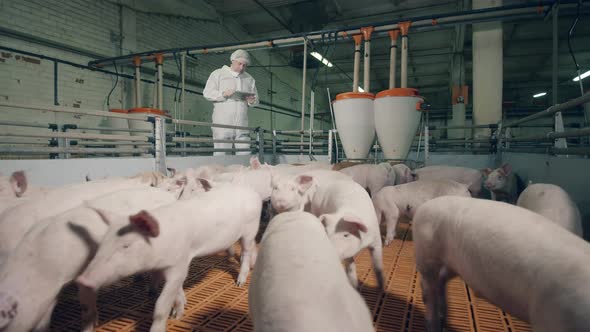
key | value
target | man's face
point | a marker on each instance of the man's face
(239, 66)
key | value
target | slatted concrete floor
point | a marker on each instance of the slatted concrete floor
(214, 303)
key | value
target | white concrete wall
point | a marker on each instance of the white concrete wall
(97, 27)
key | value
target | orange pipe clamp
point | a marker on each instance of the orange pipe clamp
(367, 31)
(357, 39)
(159, 58)
(404, 27)
(393, 34)
(137, 61)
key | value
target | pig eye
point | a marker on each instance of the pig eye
(125, 246)
(346, 235)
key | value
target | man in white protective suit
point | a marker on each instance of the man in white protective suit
(232, 90)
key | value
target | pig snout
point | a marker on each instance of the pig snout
(280, 205)
(8, 309)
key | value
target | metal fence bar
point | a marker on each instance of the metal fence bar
(71, 110)
(208, 140)
(24, 124)
(113, 129)
(78, 135)
(210, 124)
(73, 150)
(203, 150)
(552, 110)
(551, 136)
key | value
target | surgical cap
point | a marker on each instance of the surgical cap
(241, 55)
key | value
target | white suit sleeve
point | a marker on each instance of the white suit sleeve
(255, 103)
(211, 91)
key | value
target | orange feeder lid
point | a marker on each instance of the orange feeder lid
(355, 95)
(398, 92)
(118, 110)
(148, 110)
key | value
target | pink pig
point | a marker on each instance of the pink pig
(518, 260)
(166, 239)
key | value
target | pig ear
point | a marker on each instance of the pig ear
(304, 182)
(205, 184)
(255, 163)
(506, 168)
(18, 181)
(355, 222)
(324, 219)
(487, 171)
(146, 223)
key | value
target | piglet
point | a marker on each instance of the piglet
(503, 183)
(301, 285)
(371, 177)
(469, 176)
(55, 251)
(345, 209)
(16, 221)
(402, 200)
(520, 261)
(289, 191)
(166, 239)
(554, 203)
(403, 174)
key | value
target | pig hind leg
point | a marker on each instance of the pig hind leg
(377, 258)
(248, 257)
(45, 322)
(444, 276)
(87, 298)
(170, 295)
(391, 216)
(433, 284)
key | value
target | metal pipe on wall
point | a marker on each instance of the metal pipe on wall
(303, 90)
(159, 65)
(466, 16)
(585, 98)
(393, 34)
(137, 80)
(357, 62)
(404, 27)
(367, 60)
(311, 111)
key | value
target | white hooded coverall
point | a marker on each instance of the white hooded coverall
(230, 111)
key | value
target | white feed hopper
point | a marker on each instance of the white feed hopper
(355, 123)
(397, 116)
(119, 125)
(140, 124)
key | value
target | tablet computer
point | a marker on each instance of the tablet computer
(242, 95)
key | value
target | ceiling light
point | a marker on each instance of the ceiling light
(321, 58)
(540, 94)
(583, 76)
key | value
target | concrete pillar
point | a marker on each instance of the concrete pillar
(128, 45)
(487, 70)
(459, 100)
(459, 97)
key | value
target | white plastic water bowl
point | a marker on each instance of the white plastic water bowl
(397, 116)
(355, 123)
